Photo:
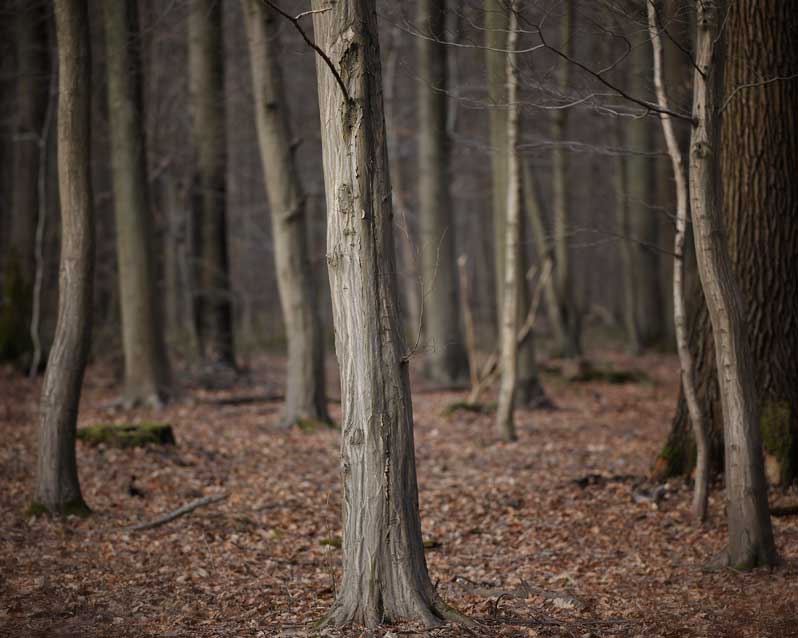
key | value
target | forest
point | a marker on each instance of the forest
(425, 318)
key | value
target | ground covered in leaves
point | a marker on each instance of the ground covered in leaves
(559, 534)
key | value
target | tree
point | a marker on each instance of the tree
(305, 392)
(570, 337)
(445, 359)
(528, 390)
(385, 576)
(758, 149)
(512, 246)
(33, 68)
(750, 533)
(214, 308)
(57, 489)
(146, 366)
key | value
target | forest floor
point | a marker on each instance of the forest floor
(516, 539)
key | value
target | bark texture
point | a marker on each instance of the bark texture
(758, 153)
(214, 307)
(146, 367)
(385, 576)
(750, 533)
(305, 393)
(57, 489)
(445, 356)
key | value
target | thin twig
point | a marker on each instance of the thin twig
(181, 511)
(295, 21)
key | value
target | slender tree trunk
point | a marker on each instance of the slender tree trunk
(385, 576)
(32, 95)
(758, 151)
(146, 366)
(529, 391)
(305, 393)
(643, 217)
(57, 488)
(701, 489)
(571, 346)
(445, 356)
(627, 249)
(750, 533)
(512, 247)
(206, 82)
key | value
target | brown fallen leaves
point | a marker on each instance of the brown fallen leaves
(578, 558)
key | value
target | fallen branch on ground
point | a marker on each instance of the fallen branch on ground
(525, 590)
(181, 511)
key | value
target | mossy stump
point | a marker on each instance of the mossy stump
(126, 435)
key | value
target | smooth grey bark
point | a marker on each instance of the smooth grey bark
(146, 366)
(508, 358)
(305, 391)
(445, 356)
(750, 532)
(686, 363)
(385, 576)
(571, 345)
(214, 311)
(529, 391)
(57, 489)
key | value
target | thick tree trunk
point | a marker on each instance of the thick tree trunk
(385, 576)
(445, 354)
(571, 345)
(32, 95)
(750, 533)
(528, 389)
(508, 358)
(305, 392)
(146, 366)
(759, 149)
(206, 84)
(57, 488)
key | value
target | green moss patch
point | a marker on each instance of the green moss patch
(127, 435)
(465, 406)
(76, 507)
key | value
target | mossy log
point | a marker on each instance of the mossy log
(125, 435)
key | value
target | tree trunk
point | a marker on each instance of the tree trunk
(759, 149)
(57, 488)
(643, 217)
(701, 489)
(528, 389)
(512, 247)
(32, 95)
(385, 576)
(305, 392)
(445, 355)
(146, 366)
(750, 533)
(206, 85)
(571, 345)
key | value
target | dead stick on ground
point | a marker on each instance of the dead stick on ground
(181, 511)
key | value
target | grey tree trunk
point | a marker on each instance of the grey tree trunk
(508, 358)
(445, 354)
(305, 392)
(31, 93)
(206, 86)
(385, 576)
(57, 488)
(571, 345)
(146, 365)
(750, 532)
(528, 389)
